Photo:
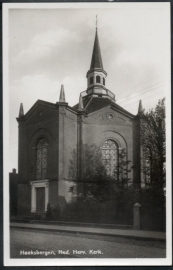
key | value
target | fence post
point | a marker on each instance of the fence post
(136, 216)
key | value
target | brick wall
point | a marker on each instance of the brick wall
(98, 128)
(29, 133)
(58, 124)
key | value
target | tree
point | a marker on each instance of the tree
(153, 144)
(72, 172)
(152, 196)
(97, 184)
(123, 170)
(104, 198)
(94, 183)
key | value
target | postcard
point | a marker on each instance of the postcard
(87, 134)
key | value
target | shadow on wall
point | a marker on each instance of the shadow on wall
(13, 181)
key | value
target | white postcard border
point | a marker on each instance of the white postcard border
(82, 262)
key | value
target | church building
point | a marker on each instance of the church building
(49, 132)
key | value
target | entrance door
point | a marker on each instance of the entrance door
(40, 199)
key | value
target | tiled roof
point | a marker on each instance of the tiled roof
(85, 102)
(97, 103)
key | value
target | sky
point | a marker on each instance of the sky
(49, 47)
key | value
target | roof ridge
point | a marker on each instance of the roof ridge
(39, 101)
(88, 102)
(121, 108)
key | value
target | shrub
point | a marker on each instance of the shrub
(48, 212)
(56, 212)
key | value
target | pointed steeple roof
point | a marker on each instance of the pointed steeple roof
(140, 109)
(81, 107)
(62, 94)
(96, 61)
(21, 111)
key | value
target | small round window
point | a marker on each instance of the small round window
(110, 116)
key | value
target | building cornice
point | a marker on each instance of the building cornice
(96, 70)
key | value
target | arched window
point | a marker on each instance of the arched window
(41, 159)
(110, 157)
(91, 80)
(103, 81)
(97, 79)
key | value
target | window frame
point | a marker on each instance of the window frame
(43, 175)
(104, 81)
(98, 78)
(115, 174)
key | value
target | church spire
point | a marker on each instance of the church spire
(21, 111)
(81, 107)
(96, 75)
(62, 94)
(96, 61)
(140, 108)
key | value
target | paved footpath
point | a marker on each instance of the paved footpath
(25, 241)
(101, 231)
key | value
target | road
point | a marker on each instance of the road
(26, 243)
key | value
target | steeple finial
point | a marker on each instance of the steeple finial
(140, 108)
(62, 94)
(96, 22)
(21, 111)
(81, 107)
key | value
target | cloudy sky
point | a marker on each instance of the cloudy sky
(50, 47)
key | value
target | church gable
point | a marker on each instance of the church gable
(41, 112)
(108, 114)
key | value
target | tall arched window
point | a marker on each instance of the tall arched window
(103, 81)
(91, 80)
(41, 159)
(110, 157)
(97, 79)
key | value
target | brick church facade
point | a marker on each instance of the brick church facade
(49, 132)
